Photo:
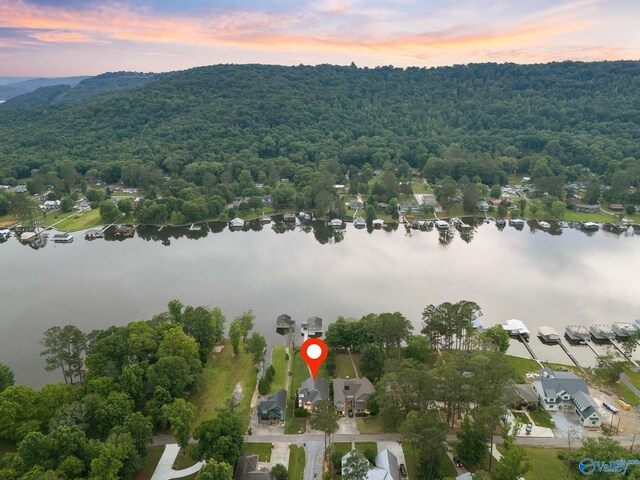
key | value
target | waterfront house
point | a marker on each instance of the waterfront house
(587, 208)
(441, 224)
(352, 394)
(483, 206)
(386, 467)
(236, 223)
(428, 199)
(272, 410)
(50, 205)
(356, 205)
(289, 217)
(311, 392)
(247, 468)
(267, 200)
(336, 223)
(566, 392)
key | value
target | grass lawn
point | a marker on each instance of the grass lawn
(448, 470)
(221, 373)
(153, 458)
(522, 366)
(184, 460)
(297, 459)
(279, 362)
(263, 450)
(78, 221)
(545, 464)
(300, 373)
(520, 416)
(420, 187)
(345, 447)
(344, 367)
(372, 424)
(541, 418)
(7, 220)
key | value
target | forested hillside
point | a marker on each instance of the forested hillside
(197, 139)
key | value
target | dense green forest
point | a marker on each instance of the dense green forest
(217, 131)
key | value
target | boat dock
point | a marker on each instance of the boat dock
(602, 332)
(577, 334)
(566, 350)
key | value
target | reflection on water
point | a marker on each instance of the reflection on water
(549, 277)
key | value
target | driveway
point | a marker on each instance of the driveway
(393, 447)
(536, 431)
(348, 425)
(313, 467)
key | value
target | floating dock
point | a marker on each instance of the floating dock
(516, 328)
(623, 329)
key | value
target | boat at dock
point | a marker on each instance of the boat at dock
(195, 228)
(577, 334)
(544, 225)
(623, 329)
(359, 222)
(5, 233)
(264, 219)
(336, 223)
(602, 332)
(93, 234)
(516, 328)
(501, 222)
(63, 238)
(516, 222)
(548, 335)
(378, 223)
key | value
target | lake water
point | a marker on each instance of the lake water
(558, 278)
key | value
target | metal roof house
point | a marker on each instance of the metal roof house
(566, 392)
(312, 327)
(236, 223)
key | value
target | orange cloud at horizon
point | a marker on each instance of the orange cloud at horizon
(533, 37)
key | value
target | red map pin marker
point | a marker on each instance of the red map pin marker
(314, 351)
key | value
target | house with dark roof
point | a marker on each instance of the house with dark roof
(311, 392)
(273, 409)
(312, 327)
(352, 394)
(247, 469)
(566, 392)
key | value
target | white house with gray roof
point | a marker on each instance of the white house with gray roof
(386, 467)
(566, 392)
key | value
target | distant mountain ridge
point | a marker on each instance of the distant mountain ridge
(11, 89)
(88, 87)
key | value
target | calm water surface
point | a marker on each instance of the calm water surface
(568, 277)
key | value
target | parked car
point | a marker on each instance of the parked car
(457, 462)
(528, 429)
(403, 471)
(350, 413)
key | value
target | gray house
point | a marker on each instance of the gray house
(273, 409)
(311, 392)
(312, 327)
(351, 394)
(483, 206)
(247, 469)
(566, 392)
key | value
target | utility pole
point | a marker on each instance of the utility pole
(633, 442)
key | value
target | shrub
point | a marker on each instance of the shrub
(263, 386)
(362, 414)
(370, 453)
(300, 412)
(336, 460)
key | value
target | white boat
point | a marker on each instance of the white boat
(195, 228)
(27, 237)
(544, 225)
(441, 225)
(336, 223)
(378, 223)
(4, 233)
(265, 219)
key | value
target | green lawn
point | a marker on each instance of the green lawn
(153, 457)
(448, 470)
(344, 367)
(297, 459)
(221, 373)
(419, 187)
(522, 366)
(78, 221)
(263, 450)
(541, 418)
(521, 416)
(545, 464)
(372, 424)
(300, 373)
(184, 460)
(345, 447)
(279, 362)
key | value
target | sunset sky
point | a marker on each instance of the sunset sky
(86, 37)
